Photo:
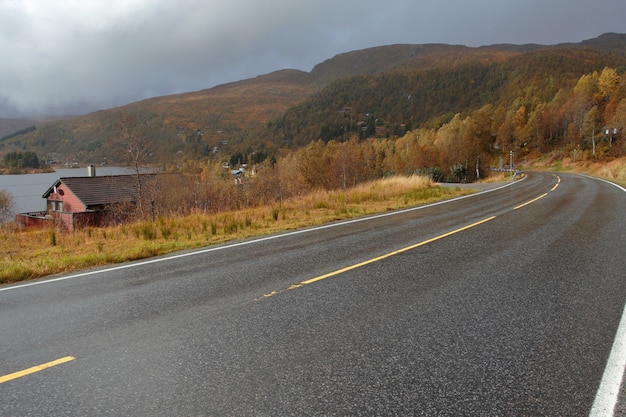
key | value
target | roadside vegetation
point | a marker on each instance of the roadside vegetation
(34, 253)
(28, 254)
(7, 204)
(563, 161)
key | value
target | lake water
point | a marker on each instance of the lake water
(27, 190)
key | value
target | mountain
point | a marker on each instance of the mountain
(402, 86)
(12, 126)
(609, 42)
(402, 59)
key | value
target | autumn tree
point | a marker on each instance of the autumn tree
(134, 147)
(407, 158)
(505, 137)
(532, 134)
(376, 155)
(618, 121)
(591, 123)
(348, 164)
(268, 184)
(460, 143)
(619, 118)
(314, 165)
(608, 82)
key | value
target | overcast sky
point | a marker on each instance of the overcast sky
(76, 56)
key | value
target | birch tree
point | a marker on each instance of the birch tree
(136, 149)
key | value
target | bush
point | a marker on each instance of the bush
(7, 206)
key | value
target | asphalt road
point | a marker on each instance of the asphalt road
(503, 303)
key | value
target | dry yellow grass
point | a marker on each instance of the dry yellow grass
(28, 254)
(614, 170)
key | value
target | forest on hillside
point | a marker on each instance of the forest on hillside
(391, 104)
(455, 123)
(584, 121)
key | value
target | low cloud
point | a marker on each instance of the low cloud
(65, 57)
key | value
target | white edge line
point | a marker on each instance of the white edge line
(603, 180)
(247, 242)
(608, 392)
(607, 395)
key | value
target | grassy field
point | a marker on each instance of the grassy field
(34, 253)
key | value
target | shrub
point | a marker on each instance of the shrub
(275, 213)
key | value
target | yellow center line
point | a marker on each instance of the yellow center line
(35, 369)
(558, 181)
(379, 258)
(531, 201)
(408, 248)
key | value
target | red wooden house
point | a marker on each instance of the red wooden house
(76, 202)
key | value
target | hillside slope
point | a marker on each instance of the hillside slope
(299, 106)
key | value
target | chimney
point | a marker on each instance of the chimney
(91, 171)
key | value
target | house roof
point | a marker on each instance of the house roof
(94, 191)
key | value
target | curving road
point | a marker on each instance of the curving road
(506, 302)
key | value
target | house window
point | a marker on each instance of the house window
(57, 206)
